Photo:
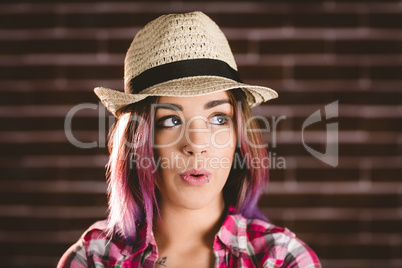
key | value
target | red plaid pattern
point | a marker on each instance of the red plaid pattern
(240, 242)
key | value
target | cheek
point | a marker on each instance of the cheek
(224, 140)
(222, 158)
(168, 137)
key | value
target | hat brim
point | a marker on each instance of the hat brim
(184, 87)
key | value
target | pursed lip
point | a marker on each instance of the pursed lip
(196, 172)
(196, 177)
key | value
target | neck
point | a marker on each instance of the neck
(181, 226)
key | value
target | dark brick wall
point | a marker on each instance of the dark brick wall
(53, 53)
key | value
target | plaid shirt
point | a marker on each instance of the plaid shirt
(240, 242)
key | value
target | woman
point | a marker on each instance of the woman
(183, 185)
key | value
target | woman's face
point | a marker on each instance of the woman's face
(194, 144)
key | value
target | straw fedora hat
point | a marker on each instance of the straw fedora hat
(179, 55)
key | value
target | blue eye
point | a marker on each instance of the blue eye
(219, 119)
(168, 122)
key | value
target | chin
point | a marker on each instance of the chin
(176, 192)
(200, 201)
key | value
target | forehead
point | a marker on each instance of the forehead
(195, 100)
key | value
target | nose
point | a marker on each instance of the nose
(197, 136)
(190, 152)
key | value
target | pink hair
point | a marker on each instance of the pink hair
(244, 186)
(131, 190)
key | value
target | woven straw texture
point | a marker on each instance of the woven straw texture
(176, 37)
(172, 38)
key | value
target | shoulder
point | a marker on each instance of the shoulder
(93, 245)
(274, 246)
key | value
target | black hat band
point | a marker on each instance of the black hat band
(181, 69)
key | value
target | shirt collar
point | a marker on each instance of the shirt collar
(142, 242)
(233, 233)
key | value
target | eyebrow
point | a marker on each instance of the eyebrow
(212, 104)
(170, 106)
(178, 107)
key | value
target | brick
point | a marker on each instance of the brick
(291, 149)
(276, 174)
(354, 123)
(28, 21)
(32, 124)
(368, 1)
(325, 200)
(367, 47)
(68, 72)
(292, 46)
(53, 199)
(24, 72)
(370, 149)
(386, 72)
(309, 226)
(49, 46)
(388, 124)
(100, 72)
(37, 262)
(338, 226)
(79, 123)
(41, 149)
(48, 124)
(363, 149)
(239, 20)
(385, 20)
(197, 1)
(366, 252)
(239, 46)
(108, 20)
(324, 20)
(384, 174)
(53, 173)
(320, 174)
(326, 72)
(37, 224)
(119, 45)
(386, 226)
(266, 72)
(344, 96)
(47, 97)
(28, 249)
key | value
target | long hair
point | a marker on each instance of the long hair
(246, 181)
(132, 195)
